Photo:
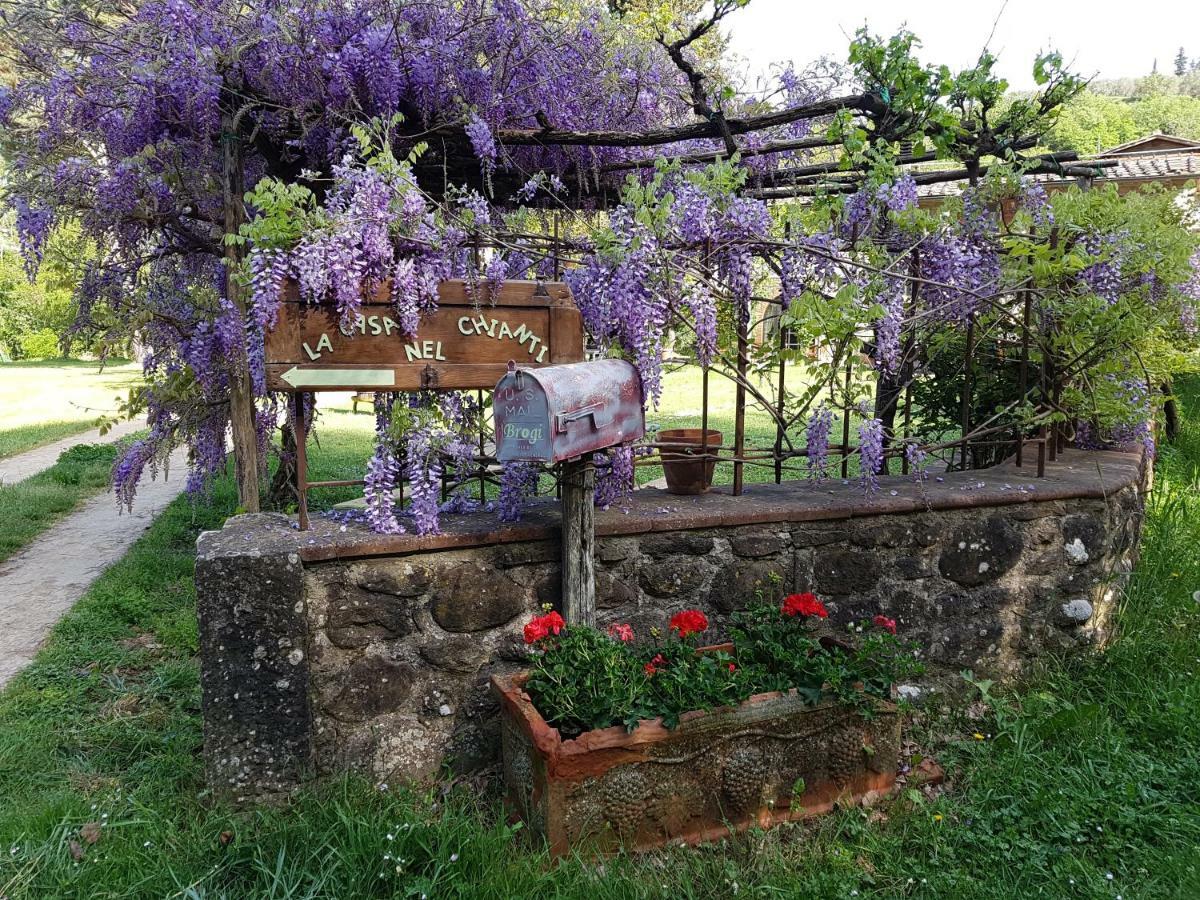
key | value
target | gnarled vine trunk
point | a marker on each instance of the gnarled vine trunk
(241, 390)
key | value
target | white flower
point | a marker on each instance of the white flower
(1108, 875)
(453, 857)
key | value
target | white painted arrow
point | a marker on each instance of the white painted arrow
(297, 377)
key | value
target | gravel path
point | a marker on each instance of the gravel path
(45, 579)
(22, 465)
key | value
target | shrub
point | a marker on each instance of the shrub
(42, 344)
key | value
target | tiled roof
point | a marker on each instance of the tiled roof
(1171, 141)
(1157, 165)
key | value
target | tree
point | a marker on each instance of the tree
(1153, 85)
(147, 123)
(1093, 122)
(1181, 62)
(1173, 114)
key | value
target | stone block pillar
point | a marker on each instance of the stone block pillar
(255, 677)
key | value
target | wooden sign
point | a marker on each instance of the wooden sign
(462, 345)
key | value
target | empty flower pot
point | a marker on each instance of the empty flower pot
(686, 464)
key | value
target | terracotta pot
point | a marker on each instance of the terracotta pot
(768, 760)
(684, 472)
(1008, 210)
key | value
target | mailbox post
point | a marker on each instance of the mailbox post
(579, 540)
(564, 414)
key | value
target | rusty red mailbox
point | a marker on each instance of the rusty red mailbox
(558, 413)
(564, 414)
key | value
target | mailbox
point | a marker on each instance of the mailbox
(556, 413)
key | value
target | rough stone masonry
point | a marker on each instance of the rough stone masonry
(337, 648)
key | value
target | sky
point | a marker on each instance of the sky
(1091, 40)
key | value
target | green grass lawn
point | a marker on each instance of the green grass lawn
(47, 400)
(29, 507)
(1089, 770)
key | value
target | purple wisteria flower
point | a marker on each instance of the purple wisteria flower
(483, 142)
(1035, 201)
(900, 195)
(382, 471)
(817, 442)
(870, 449)
(423, 469)
(916, 458)
(889, 325)
(1190, 290)
(1104, 276)
(518, 483)
(614, 476)
(34, 222)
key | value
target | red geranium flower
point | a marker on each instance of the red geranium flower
(690, 621)
(889, 625)
(543, 626)
(804, 605)
(623, 633)
(732, 667)
(652, 666)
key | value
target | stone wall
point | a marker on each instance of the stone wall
(377, 651)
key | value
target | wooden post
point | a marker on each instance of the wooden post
(301, 429)
(579, 541)
(1023, 389)
(965, 412)
(846, 419)
(739, 407)
(780, 405)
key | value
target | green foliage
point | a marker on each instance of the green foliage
(779, 652)
(283, 213)
(587, 681)
(43, 344)
(28, 311)
(965, 115)
(582, 679)
(1093, 121)
(1170, 114)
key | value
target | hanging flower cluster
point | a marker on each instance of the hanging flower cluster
(673, 251)
(870, 449)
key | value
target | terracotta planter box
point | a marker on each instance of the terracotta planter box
(769, 760)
